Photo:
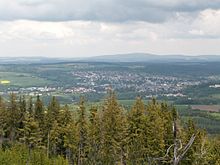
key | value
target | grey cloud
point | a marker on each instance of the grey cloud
(101, 10)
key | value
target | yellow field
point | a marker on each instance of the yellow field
(5, 82)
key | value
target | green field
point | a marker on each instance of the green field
(209, 121)
(23, 79)
(217, 96)
(203, 119)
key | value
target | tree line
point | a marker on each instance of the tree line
(106, 134)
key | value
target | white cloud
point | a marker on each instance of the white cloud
(208, 23)
(191, 29)
(101, 10)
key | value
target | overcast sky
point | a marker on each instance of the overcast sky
(74, 28)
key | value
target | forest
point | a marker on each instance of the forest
(150, 133)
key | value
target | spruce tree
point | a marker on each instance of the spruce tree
(39, 111)
(94, 135)
(114, 127)
(154, 130)
(137, 143)
(31, 134)
(191, 156)
(71, 140)
(53, 108)
(50, 122)
(13, 118)
(82, 128)
(3, 121)
(30, 106)
(22, 112)
(58, 131)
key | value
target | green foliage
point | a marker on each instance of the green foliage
(18, 155)
(213, 153)
(104, 134)
(113, 131)
(136, 130)
(31, 134)
(82, 131)
(39, 110)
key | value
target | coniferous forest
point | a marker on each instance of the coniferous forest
(107, 134)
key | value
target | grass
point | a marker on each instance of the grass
(23, 79)
(129, 103)
(216, 96)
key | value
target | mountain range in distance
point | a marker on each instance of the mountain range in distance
(144, 57)
(132, 57)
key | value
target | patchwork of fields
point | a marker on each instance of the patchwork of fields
(23, 79)
(188, 89)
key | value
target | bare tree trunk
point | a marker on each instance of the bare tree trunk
(179, 156)
(69, 156)
(1, 141)
(178, 152)
(79, 156)
(12, 134)
(48, 144)
(175, 143)
(29, 155)
(123, 157)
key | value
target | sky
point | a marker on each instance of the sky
(82, 28)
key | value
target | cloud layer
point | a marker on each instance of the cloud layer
(101, 10)
(90, 27)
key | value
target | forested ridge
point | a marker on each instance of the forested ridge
(108, 134)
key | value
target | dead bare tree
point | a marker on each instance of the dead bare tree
(178, 150)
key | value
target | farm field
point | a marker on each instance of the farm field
(23, 79)
(189, 90)
(210, 108)
(205, 119)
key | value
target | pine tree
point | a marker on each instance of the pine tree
(53, 108)
(167, 117)
(31, 134)
(70, 141)
(2, 103)
(22, 112)
(3, 121)
(50, 121)
(54, 137)
(13, 118)
(82, 128)
(151, 134)
(154, 130)
(191, 129)
(39, 111)
(113, 132)
(213, 152)
(58, 131)
(30, 106)
(137, 143)
(94, 134)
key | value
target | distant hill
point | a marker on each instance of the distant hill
(132, 57)
(30, 60)
(142, 57)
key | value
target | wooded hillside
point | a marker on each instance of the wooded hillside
(32, 133)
